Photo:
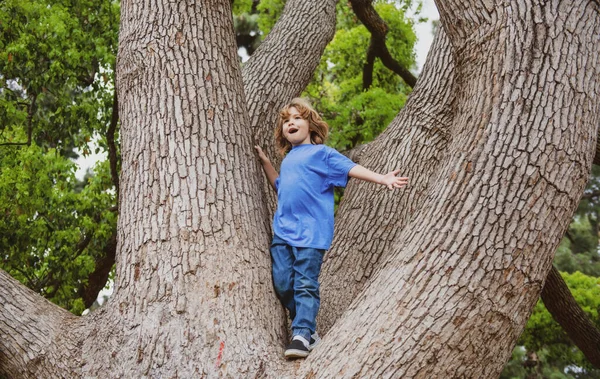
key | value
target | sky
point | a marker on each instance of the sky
(424, 32)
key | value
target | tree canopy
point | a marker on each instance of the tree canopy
(57, 61)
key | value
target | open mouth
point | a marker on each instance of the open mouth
(292, 130)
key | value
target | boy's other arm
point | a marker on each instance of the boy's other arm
(267, 167)
(390, 180)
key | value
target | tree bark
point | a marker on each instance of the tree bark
(461, 279)
(564, 309)
(193, 275)
(35, 337)
(415, 142)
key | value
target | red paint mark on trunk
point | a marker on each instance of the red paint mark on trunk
(220, 355)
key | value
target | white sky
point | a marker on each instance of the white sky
(424, 32)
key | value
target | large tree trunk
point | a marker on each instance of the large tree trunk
(192, 267)
(457, 286)
(499, 150)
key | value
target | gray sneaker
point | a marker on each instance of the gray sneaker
(314, 341)
(298, 348)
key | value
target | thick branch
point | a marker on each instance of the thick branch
(423, 124)
(289, 54)
(283, 65)
(97, 279)
(564, 309)
(374, 23)
(34, 334)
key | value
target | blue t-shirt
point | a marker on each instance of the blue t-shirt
(304, 215)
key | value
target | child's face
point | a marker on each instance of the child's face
(296, 129)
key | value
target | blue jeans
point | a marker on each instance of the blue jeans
(295, 278)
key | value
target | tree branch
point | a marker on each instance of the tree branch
(35, 334)
(564, 309)
(424, 122)
(592, 194)
(110, 140)
(597, 155)
(88, 80)
(98, 278)
(368, 67)
(378, 28)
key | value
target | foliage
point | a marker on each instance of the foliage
(544, 349)
(56, 58)
(270, 11)
(531, 366)
(356, 115)
(51, 231)
(56, 83)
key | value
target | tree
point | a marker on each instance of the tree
(498, 136)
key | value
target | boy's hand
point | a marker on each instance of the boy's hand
(392, 181)
(261, 154)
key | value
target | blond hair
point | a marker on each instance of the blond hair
(319, 130)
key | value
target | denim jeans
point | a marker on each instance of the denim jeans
(295, 278)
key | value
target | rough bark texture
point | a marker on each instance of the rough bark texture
(498, 150)
(464, 274)
(34, 334)
(565, 310)
(193, 274)
(415, 142)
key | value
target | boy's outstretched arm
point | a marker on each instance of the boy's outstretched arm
(267, 167)
(390, 180)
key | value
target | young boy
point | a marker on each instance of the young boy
(303, 221)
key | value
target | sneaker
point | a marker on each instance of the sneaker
(298, 348)
(314, 341)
